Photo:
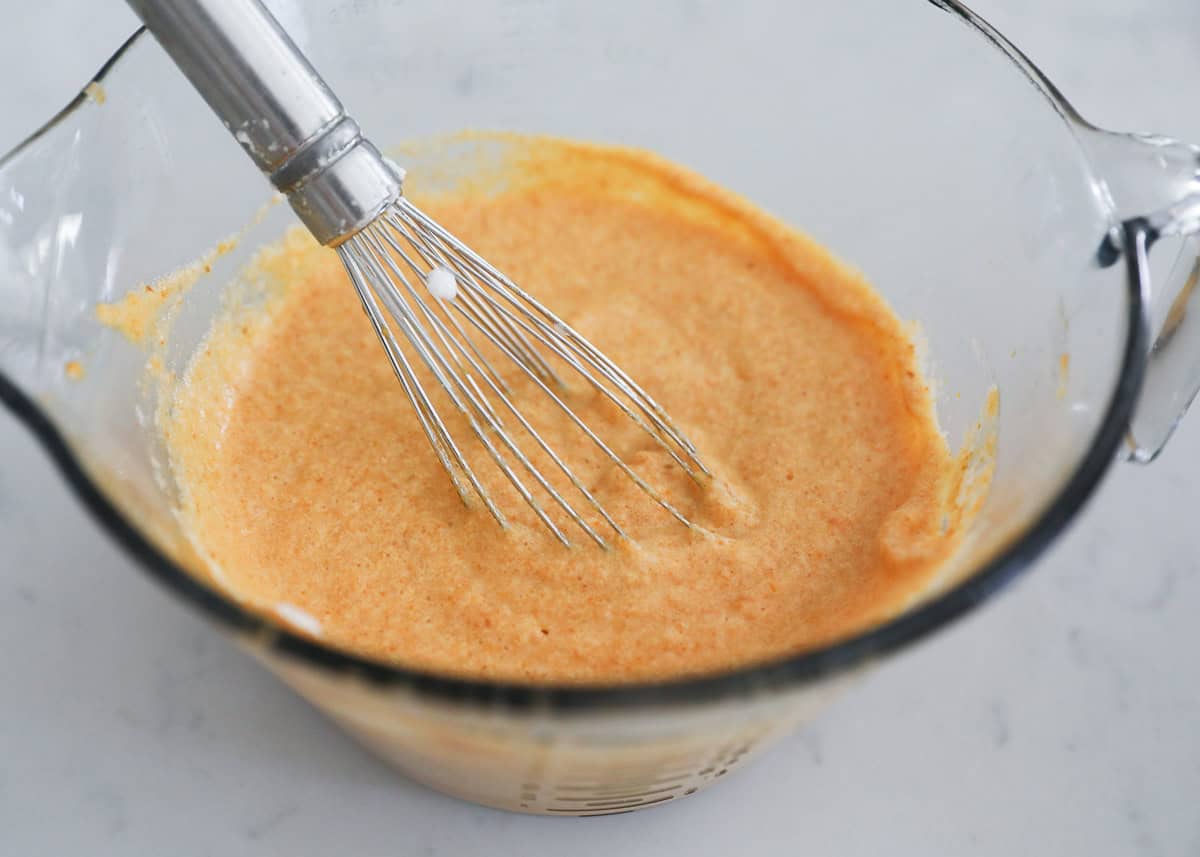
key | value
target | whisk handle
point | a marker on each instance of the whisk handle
(286, 118)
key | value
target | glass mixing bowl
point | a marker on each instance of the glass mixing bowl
(908, 137)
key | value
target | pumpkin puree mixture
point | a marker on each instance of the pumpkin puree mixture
(314, 494)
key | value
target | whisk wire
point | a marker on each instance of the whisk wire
(395, 245)
(403, 246)
(484, 409)
(554, 329)
(439, 438)
(541, 331)
(456, 391)
(510, 334)
(582, 426)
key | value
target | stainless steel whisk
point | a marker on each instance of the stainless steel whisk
(409, 272)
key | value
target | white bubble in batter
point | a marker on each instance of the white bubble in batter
(442, 284)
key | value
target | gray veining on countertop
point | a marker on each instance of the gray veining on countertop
(1063, 719)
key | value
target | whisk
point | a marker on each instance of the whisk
(429, 297)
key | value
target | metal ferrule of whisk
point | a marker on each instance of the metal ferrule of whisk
(278, 108)
(431, 300)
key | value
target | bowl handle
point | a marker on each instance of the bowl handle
(1153, 183)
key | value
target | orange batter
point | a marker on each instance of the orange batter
(314, 494)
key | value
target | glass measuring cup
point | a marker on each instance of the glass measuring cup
(990, 221)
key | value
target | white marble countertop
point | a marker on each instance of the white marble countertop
(1062, 719)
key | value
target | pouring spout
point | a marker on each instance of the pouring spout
(48, 267)
(36, 300)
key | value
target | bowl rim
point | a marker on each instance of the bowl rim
(785, 673)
